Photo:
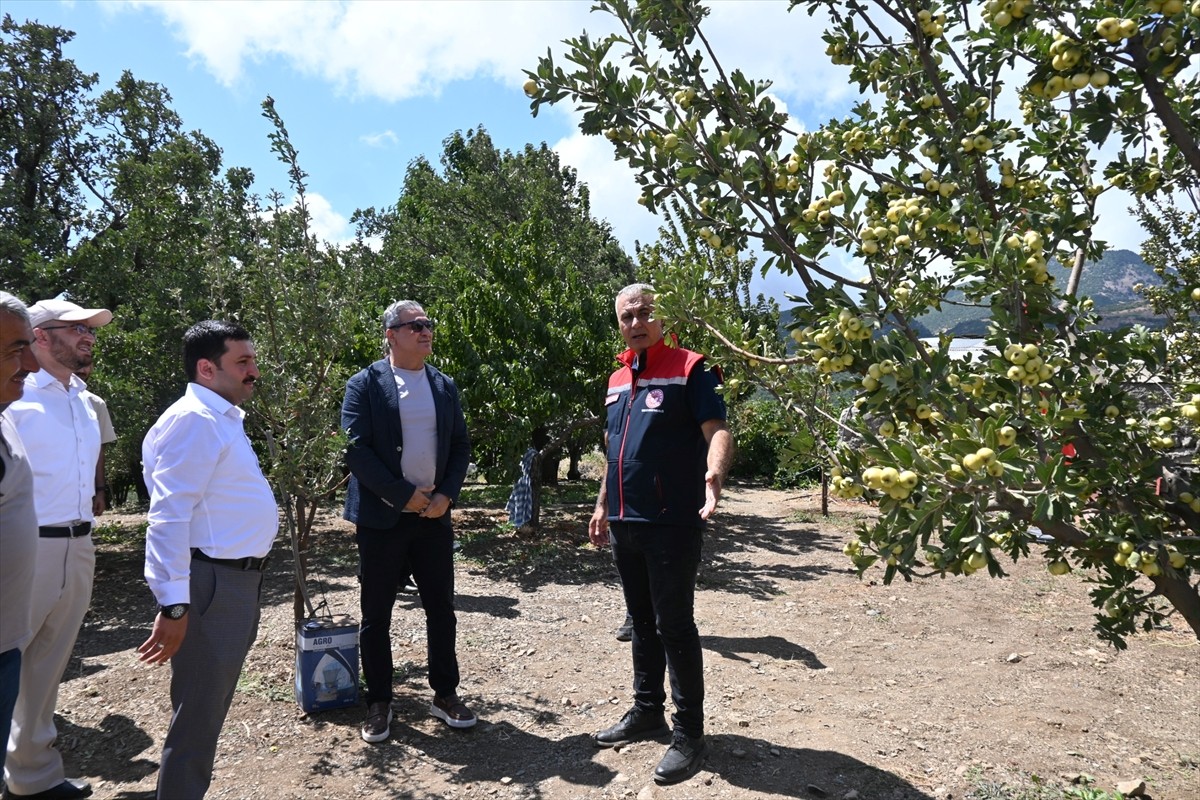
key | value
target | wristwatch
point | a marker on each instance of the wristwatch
(174, 611)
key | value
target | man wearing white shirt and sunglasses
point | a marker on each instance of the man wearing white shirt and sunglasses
(408, 458)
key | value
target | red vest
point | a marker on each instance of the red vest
(656, 448)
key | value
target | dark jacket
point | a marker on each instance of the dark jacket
(656, 445)
(378, 492)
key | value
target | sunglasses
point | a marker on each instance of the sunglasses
(416, 326)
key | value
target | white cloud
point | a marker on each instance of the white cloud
(612, 188)
(325, 222)
(767, 42)
(395, 51)
(391, 51)
(400, 50)
(383, 139)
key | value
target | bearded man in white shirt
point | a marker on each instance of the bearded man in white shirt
(212, 520)
(62, 440)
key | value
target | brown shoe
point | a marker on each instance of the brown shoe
(450, 710)
(378, 724)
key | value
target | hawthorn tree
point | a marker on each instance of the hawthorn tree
(974, 159)
(299, 298)
(713, 284)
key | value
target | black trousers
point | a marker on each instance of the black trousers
(425, 545)
(658, 566)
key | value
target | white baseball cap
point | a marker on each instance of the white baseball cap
(58, 310)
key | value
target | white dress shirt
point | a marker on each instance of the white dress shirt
(207, 491)
(62, 439)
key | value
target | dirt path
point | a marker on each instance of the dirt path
(819, 684)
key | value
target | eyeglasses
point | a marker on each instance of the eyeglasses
(416, 326)
(78, 327)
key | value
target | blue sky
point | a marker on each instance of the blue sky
(364, 87)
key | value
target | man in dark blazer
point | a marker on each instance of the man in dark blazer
(408, 458)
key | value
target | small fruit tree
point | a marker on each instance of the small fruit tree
(984, 135)
(298, 297)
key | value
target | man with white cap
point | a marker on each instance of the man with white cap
(62, 438)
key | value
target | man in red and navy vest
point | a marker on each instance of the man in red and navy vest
(668, 454)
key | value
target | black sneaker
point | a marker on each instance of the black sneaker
(635, 726)
(683, 759)
(378, 724)
(625, 632)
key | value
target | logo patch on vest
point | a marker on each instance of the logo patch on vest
(654, 398)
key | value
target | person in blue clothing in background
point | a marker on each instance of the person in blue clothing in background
(668, 452)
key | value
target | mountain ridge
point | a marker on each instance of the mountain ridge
(1109, 282)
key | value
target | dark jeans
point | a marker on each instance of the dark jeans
(10, 680)
(658, 565)
(425, 545)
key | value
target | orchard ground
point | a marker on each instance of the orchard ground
(819, 684)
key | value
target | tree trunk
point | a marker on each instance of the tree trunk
(1076, 273)
(1184, 597)
(824, 493)
(574, 452)
(299, 527)
(549, 467)
(535, 494)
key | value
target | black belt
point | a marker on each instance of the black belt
(247, 564)
(66, 532)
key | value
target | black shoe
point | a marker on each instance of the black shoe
(635, 726)
(69, 789)
(407, 586)
(625, 632)
(683, 759)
